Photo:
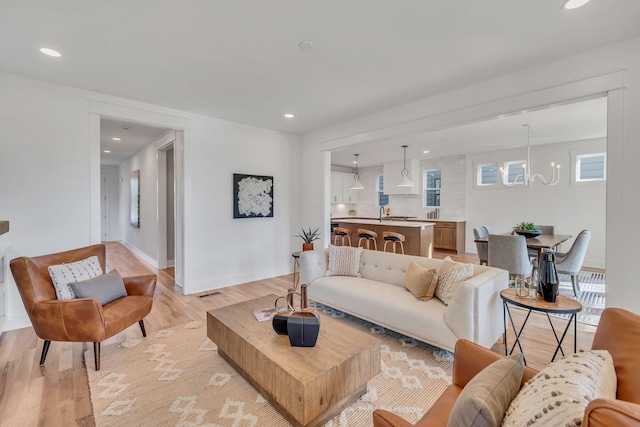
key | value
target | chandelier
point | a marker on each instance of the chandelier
(527, 177)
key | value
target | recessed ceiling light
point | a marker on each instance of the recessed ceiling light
(425, 152)
(305, 45)
(115, 138)
(574, 4)
(107, 151)
(289, 116)
(50, 52)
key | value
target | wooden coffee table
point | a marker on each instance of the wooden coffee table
(307, 385)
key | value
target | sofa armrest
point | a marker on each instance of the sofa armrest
(313, 264)
(140, 285)
(475, 311)
(469, 359)
(382, 418)
(607, 412)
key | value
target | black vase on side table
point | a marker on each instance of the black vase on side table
(548, 278)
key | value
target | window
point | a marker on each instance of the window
(514, 172)
(487, 174)
(382, 199)
(432, 183)
(591, 167)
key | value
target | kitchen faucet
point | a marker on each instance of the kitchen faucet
(381, 212)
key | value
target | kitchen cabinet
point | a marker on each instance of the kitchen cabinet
(392, 172)
(340, 191)
(449, 235)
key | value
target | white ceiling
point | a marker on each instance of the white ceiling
(133, 139)
(573, 122)
(239, 60)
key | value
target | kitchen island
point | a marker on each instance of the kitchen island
(418, 235)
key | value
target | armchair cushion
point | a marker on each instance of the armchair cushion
(485, 399)
(105, 288)
(63, 275)
(560, 393)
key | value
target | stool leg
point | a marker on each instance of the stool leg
(394, 247)
(402, 247)
(384, 249)
(349, 238)
(360, 241)
(375, 244)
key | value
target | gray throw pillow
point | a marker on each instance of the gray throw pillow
(105, 288)
(485, 399)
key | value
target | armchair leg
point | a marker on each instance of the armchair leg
(141, 323)
(45, 350)
(576, 284)
(96, 355)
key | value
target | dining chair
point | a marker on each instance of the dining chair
(489, 229)
(481, 247)
(571, 262)
(509, 252)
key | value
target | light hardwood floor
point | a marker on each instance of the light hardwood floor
(57, 394)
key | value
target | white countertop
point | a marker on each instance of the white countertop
(389, 223)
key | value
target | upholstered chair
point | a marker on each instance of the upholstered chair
(482, 248)
(617, 333)
(81, 319)
(509, 252)
(489, 229)
(571, 262)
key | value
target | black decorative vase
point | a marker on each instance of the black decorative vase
(548, 279)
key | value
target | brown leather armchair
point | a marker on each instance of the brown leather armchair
(618, 332)
(82, 319)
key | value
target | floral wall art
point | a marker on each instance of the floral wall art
(252, 196)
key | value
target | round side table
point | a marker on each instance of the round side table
(563, 305)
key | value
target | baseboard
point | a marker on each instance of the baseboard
(141, 254)
(208, 285)
(16, 322)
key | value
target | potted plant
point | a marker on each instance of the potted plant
(527, 229)
(308, 236)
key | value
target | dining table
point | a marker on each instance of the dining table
(538, 243)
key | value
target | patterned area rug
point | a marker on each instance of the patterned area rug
(591, 295)
(175, 377)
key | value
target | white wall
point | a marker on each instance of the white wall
(46, 158)
(569, 207)
(614, 68)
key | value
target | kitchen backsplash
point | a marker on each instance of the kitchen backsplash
(452, 198)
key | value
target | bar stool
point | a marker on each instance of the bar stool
(393, 238)
(368, 236)
(341, 233)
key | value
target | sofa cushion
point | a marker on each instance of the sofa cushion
(559, 394)
(64, 274)
(450, 275)
(485, 399)
(105, 288)
(421, 281)
(344, 261)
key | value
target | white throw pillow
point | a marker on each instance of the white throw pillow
(64, 274)
(450, 275)
(559, 394)
(344, 261)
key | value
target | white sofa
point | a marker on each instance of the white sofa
(379, 296)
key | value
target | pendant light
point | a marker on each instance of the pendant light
(405, 182)
(527, 177)
(356, 184)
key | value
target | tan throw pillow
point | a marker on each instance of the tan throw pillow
(559, 394)
(421, 281)
(485, 399)
(450, 275)
(344, 261)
